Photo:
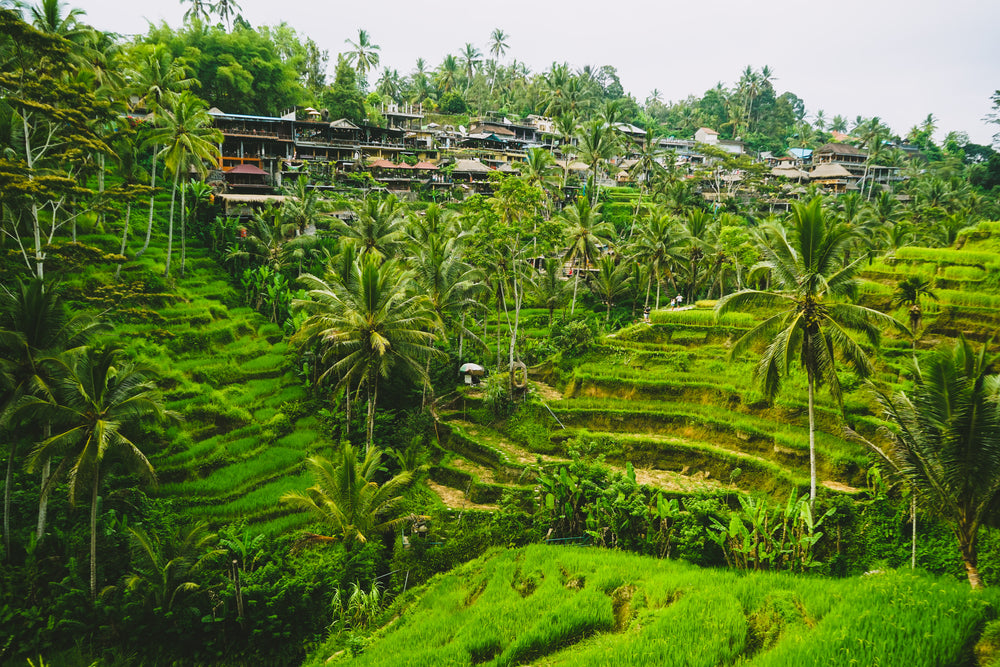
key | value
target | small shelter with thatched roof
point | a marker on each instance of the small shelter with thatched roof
(833, 176)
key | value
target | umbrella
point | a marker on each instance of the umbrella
(472, 369)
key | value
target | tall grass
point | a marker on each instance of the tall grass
(577, 606)
(948, 256)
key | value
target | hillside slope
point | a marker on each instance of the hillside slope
(576, 606)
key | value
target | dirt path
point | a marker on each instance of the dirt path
(456, 499)
(666, 480)
(547, 392)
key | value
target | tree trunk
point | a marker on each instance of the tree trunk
(6, 498)
(576, 284)
(170, 225)
(183, 225)
(970, 557)
(128, 215)
(43, 501)
(93, 533)
(812, 442)
(461, 337)
(152, 202)
(372, 396)
(913, 537)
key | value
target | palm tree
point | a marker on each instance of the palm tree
(35, 328)
(165, 568)
(126, 153)
(368, 327)
(347, 499)
(908, 293)
(101, 396)
(185, 131)
(378, 227)
(658, 246)
(156, 77)
(586, 232)
(199, 9)
(498, 48)
(945, 442)
(447, 73)
(364, 56)
(598, 143)
(48, 17)
(226, 10)
(549, 287)
(471, 59)
(449, 282)
(611, 281)
(813, 319)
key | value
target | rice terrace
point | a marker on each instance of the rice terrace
(310, 358)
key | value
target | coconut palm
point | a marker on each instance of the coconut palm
(471, 59)
(199, 9)
(226, 10)
(165, 568)
(945, 442)
(368, 328)
(657, 245)
(498, 48)
(586, 231)
(813, 318)
(548, 286)
(598, 143)
(346, 498)
(364, 56)
(448, 281)
(447, 73)
(101, 396)
(908, 293)
(610, 282)
(156, 76)
(35, 328)
(378, 227)
(185, 131)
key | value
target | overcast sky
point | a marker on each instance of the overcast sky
(897, 59)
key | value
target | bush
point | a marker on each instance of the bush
(453, 103)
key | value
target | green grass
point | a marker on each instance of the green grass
(547, 605)
(944, 256)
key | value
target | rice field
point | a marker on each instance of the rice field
(546, 605)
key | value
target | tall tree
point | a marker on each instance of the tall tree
(35, 329)
(198, 10)
(155, 75)
(102, 397)
(945, 442)
(814, 318)
(611, 281)
(471, 60)
(185, 131)
(369, 327)
(586, 231)
(378, 227)
(226, 10)
(498, 48)
(54, 118)
(598, 143)
(364, 56)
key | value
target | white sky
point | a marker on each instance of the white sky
(897, 59)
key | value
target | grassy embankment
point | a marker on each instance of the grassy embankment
(575, 606)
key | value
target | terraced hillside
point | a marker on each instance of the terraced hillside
(665, 397)
(546, 605)
(243, 434)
